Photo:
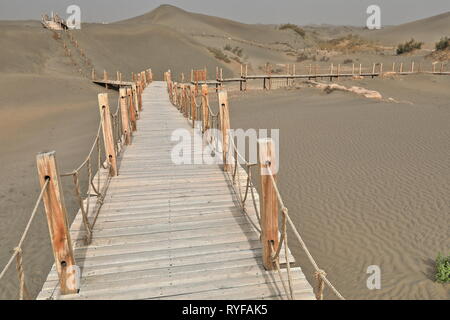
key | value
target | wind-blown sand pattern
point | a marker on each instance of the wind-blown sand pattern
(366, 182)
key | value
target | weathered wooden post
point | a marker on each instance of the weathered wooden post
(105, 75)
(338, 70)
(401, 67)
(132, 109)
(412, 67)
(331, 72)
(353, 69)
(55, 211)
(360, 69)
(224, 126)
(193, 107)
(140, 96)
(381, 69)
(124, 116)
(108, 137)
(205, 110)
(269, 202)
(393, 66)
(135, 98)
(93, 74)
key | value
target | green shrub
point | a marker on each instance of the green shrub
(227, 47)
(409, 46)
(219, 55)
(302, 57)
(442, 269)
(294, 28)
(443, 44)
(237, 51)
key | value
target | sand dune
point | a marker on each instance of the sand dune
(428, 30)
(346, 150)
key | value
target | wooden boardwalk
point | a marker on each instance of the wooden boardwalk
(170, 231)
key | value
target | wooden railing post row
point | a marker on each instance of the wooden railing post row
(55, 211)
(124, 116)
(205, 110)
(108, 137)
(224, 127)
(132, 109)
(269, 203)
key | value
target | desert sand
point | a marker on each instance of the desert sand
(365, 180)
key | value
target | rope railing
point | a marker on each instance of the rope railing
(99, 190)
(181, 100)
(18, 250)
(113, 127)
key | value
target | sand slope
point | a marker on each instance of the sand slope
(428, 30)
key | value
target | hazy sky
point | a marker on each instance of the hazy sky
(348, 12)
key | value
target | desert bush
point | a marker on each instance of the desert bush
(302, 57)
(219, 55)
(236, 59)
(347, 61)
(349, 42)
(294, 28)
(237, 51)
(443, 44)
(227, 47)
(442, 269)
(409, 46)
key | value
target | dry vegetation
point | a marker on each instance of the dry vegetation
(219, 55)
(289, 26)
(348, 43)
(409, 46)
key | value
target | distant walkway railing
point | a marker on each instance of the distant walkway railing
(183, 97)
(115, 130)
(287, 73)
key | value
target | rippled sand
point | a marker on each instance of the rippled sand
(366, 182)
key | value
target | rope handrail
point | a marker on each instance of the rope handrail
(115, 146)
(319, 273)
(99, 191)
(18, 251)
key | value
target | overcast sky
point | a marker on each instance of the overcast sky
(339, 12)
